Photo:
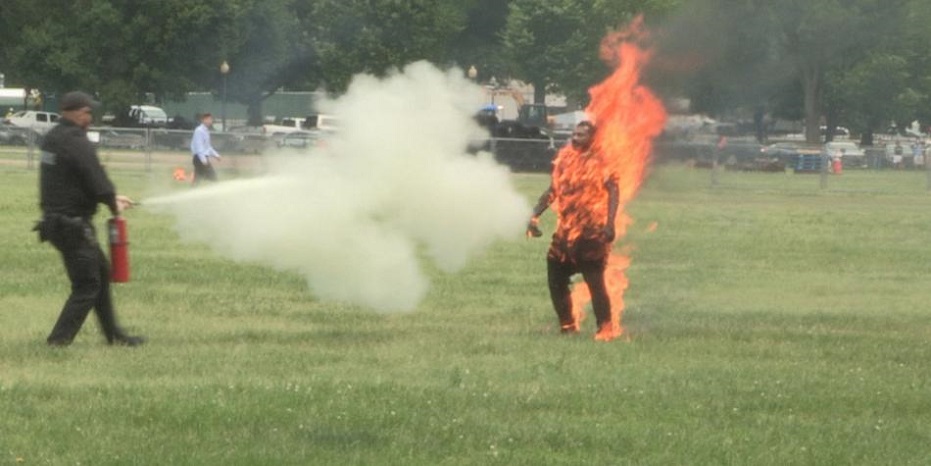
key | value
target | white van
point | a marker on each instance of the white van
(147, 115)
(322, 122)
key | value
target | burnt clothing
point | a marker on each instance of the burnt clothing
(71, 180)
(560, 272)
(584, 195)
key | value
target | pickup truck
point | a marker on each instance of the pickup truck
(39, 122)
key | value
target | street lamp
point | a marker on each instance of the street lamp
(493, 83)
(224, 70)
(472, 73)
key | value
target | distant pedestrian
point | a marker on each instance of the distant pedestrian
(203, 151)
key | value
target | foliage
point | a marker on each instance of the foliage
(554, 44)
(480, 43)
(362, 36)
(120, 50)
(793, 57)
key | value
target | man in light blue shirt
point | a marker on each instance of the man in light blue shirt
(203, 151)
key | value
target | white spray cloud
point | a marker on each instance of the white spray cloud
(352, 216)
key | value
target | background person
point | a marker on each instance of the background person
(586, 204)
(203, 150)
(71, 183)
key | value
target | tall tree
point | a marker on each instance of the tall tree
(544, 38)
(818, 36)
(553, 44)
(375, 36)
(480, 43)
(121, 50)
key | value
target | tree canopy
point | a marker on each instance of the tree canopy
(861, 63)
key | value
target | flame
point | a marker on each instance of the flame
(628, 117)
(180, 175)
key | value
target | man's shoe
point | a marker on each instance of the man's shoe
(569, 329)
(127, 340)
(58, 343)
(608, 331)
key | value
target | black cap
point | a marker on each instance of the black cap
(77, 100)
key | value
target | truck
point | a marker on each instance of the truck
(138, 116)
(36, 121)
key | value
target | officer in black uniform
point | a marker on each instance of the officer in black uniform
(72, 182)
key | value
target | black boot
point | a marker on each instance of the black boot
(122, 339)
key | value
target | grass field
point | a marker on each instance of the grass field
(770, 323)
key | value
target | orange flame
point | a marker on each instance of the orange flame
(180, 175)
(628, 116)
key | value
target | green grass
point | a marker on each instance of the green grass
(770, 322)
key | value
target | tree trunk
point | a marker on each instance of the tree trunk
(539, 92)
(866, 139)
(254, 112)
(830, 123)
(811, 83)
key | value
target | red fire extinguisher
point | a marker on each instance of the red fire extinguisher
(119, 250)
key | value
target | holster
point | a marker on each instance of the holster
(52, 224)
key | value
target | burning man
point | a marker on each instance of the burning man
(584, 196)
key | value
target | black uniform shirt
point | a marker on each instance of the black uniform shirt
(71, 180)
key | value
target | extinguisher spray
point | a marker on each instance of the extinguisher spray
(119, 250)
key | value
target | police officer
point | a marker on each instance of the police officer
(72, 182)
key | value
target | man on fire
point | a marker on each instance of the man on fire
(584, 196)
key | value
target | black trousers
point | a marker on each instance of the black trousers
(559, 273)
(89, 272)
(203, 170)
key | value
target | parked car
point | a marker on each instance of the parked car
(148, 115)
(839, 131)
(252, 139)
(850, 152)
(750, 156)
(782, 150)
(789, 152)
(121, 139)
(40, 122)
(14, 135)
(300, 139)
(321, 121)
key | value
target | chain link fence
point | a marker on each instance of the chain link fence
(158, 149)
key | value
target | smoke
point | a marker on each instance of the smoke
(726, 54)
(393, 187)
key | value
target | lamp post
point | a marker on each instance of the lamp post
(224, 70)
(493, 83)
